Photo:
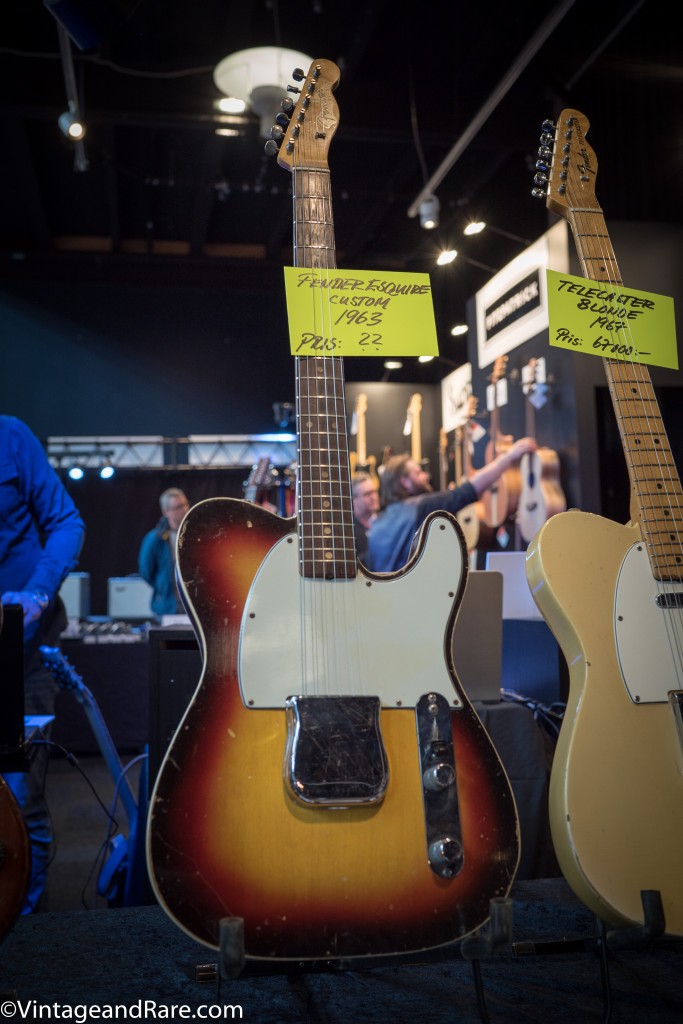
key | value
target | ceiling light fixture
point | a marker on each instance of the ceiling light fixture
(71, 125)
(446, 257)
(477, 226)
(458, 330)
(70, 122)
(429, 212)
(259, 77)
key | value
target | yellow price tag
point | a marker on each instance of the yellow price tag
(609, 320)
(359, 313)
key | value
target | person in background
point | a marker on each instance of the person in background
(407, 498)
(365, 495)
(41, 536)
(156, 560)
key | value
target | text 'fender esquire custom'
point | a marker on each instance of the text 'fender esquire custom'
(613, 596)
(330, 790)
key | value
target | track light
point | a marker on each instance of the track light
(71, 125)
(76, 473)
(429, 213)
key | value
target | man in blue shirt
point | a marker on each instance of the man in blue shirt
(408, 497)
(41, 535)
(156, 560)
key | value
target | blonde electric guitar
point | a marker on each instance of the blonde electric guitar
(360, 460)
(325, 797)
(613, 596)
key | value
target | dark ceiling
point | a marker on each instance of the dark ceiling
(421, 84)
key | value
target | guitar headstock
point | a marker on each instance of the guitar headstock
(499, 369)
(415, 405)
(472, 403)
(60, 667)
(567, 167)
(362, 405)
(305, 138)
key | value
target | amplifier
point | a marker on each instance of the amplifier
(75, 593)
(129, 597)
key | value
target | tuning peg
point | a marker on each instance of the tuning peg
(270, 148)
(298, 75)
(287, 104)
(548, 127)
(546, 139)
(540, 179)
(542, 165)
(539, 193)
(277, 133)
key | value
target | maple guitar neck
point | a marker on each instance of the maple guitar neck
(612, 596)
(656, 496)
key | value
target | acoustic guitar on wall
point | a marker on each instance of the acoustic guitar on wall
(472, 517)
(541, 494)
(325, 797)
(613, 596)
(500, 500)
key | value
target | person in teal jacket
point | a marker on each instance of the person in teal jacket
(156, 560)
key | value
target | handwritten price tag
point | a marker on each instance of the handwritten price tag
(609, 320)
(359, 313)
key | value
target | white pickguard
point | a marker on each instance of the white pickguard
(339, 637)
(649, 639)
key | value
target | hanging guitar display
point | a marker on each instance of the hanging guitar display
(324, 796)
(541, 494)
(472, 518)
(413, 430)
(613, 596)
(500, 500)
(360, 460)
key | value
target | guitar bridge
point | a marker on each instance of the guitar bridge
(445, 851)
(335, 753)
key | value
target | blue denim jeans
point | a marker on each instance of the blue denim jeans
(29, 787)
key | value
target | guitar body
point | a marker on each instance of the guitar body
(15, 859)
(226, 835)
(501, 498)
(616, 788)
(541, 495)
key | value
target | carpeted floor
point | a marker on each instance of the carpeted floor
(556, 965)
(137, 958)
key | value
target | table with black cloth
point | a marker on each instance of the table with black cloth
(119, 677)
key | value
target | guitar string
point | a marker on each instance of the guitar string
(328, 617)
(622, 375)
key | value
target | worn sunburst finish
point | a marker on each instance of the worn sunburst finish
(226, 838)
(327, 830)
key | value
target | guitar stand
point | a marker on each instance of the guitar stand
(231, 956)
(635, 937)
(479, 945)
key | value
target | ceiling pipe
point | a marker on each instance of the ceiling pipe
(508, 80)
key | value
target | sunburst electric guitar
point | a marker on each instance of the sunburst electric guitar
(613, 596)
(326, 795)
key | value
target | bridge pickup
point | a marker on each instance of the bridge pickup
(445, 851)
(335, 753)
(670, 599)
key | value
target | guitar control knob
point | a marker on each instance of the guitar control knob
(446, 856)
(439, 776)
